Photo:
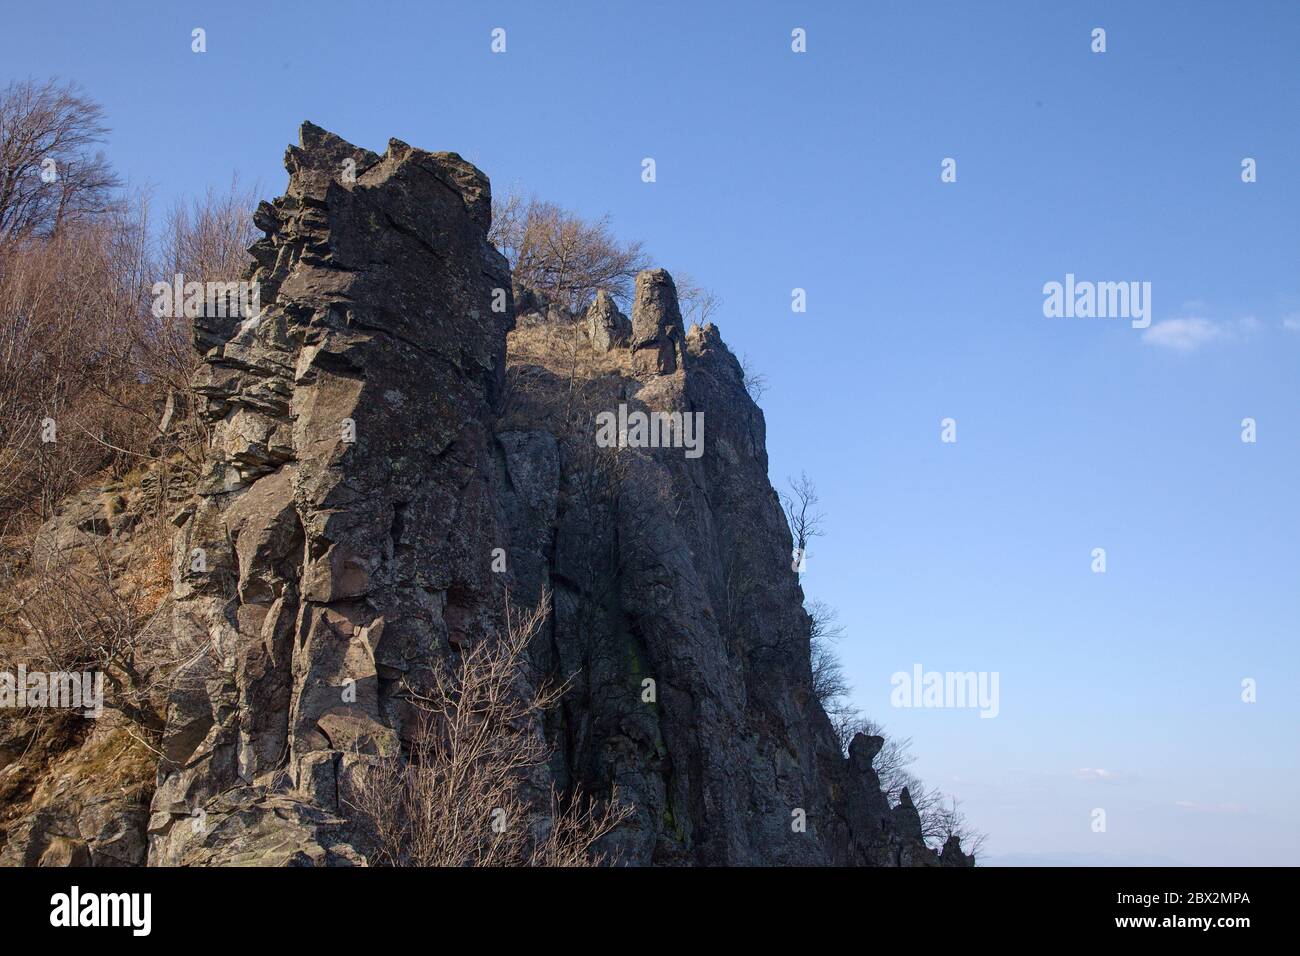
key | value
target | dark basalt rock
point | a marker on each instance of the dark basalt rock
(347, 514)
(361, 476)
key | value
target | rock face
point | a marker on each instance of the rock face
(363, 472)
(606, 326)
(340, 539)
(656, 323)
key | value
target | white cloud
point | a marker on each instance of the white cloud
(1183, 335)
(1291, 323)
(1095, 773)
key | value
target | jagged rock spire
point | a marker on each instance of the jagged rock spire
(607, 327)
(345, 517)
(657, 329)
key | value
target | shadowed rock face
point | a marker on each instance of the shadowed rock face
(361, 475)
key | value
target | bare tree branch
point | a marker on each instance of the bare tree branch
(49, 176)
(458, 798)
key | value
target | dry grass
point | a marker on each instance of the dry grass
(84, 608)
(554, 376)
(562, 348)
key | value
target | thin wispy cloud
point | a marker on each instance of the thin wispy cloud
(1182, 335)
(1097, 773)
(1189, 334)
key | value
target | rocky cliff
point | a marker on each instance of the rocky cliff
(400, 440)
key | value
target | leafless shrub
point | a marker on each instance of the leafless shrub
(946, 820)
(941, 816)
(86, 607)
(86, 368)
(205, 240)
(893, 760)
(698, 304)
(63, 316)
(562, 254)
(755, 382)
(458, 798)
(829, 684)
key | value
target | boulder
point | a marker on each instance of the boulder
(607, 327)
(657, 332)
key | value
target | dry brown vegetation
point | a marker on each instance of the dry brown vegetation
(460, 796)
(94, 403)
(561, 254)
(569, 258)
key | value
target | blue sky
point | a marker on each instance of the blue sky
(821, 171)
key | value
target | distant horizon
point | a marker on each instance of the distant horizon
(1100, 859)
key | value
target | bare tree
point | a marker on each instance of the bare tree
(561, 254)
(800, 504)
(206, 240)
(208, 237)
(63, 315)
(698, 303)
(946, 820)
(86, 368)
(829, 685)
(459, 797)
(755, 382)
(49, 176)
